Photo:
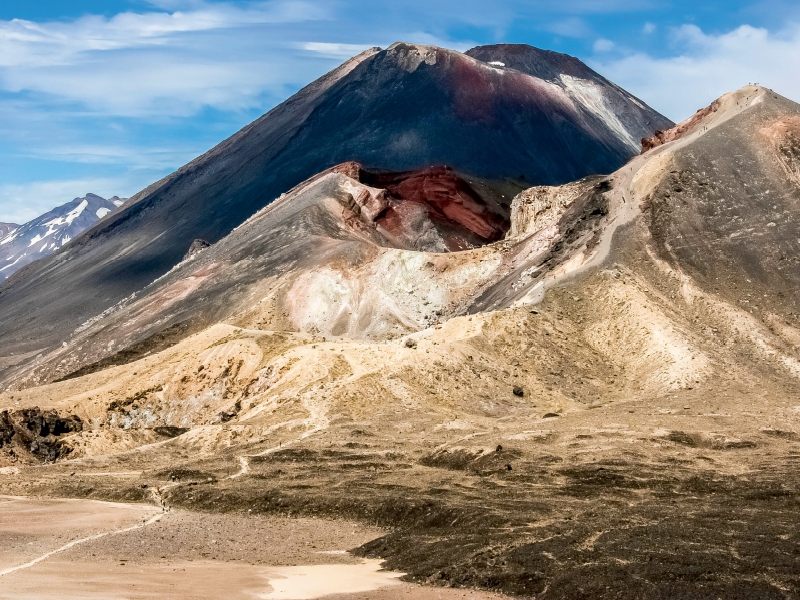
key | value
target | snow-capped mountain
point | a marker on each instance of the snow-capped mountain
(23, 244)
(6, 228)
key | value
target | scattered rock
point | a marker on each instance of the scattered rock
(518, 391)
(196, 247)
(411, 343)
(789, 435)
(681, 437)
(223, 417)
(170, 432)
(551, 415)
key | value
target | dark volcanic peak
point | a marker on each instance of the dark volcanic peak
(544, 64)
(45, 234)
(405, 108)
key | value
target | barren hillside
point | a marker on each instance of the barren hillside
(565, 412)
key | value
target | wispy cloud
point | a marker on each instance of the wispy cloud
(156, 62)
(337, 51)
(707, 65)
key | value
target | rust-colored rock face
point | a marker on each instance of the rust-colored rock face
(662, 136)
(463, 217)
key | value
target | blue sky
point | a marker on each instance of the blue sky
(108, 96)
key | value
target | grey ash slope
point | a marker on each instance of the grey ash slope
(20, 245)
(401, 108)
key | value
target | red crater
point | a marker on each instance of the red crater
(466, 212)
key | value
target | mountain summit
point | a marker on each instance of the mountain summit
(403, 108)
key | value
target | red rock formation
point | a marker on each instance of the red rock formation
(662, 136)
(461, 215)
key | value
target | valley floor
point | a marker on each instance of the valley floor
(691, 495)
(84, 549)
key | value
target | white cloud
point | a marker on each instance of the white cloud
(572, 27)
(337, 51)
(603, 45)
(709, 66)
(157, 62)
(649, 28)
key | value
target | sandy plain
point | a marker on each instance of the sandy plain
(86, 550)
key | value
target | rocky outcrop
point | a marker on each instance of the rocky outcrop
(540, 207)
(196, 247)
(662, 136)
(35, 433)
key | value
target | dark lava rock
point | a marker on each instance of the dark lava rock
(170, 432)
(37, 432)
(196, 247)
(518, 391)
(680, 437)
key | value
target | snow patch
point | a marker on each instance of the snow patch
(591, 97)
(70, 216)
(102, 212)
(10, 237)
(12, 264)
(497, 63)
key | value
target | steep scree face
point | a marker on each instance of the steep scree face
(726, 212)
(46, 234)
(397, 109)
(612, 115)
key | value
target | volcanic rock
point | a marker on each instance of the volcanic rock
(36, 433)
(403, 108)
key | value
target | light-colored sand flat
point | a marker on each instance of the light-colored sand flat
(31, 528)
(304, 583)
(87, 550)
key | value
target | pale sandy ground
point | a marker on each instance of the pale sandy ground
(32, 528)
(105, 551)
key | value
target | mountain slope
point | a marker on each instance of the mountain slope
(602, 404)
(6, 228)
(396, 109)
(45, 234)
(325, 260)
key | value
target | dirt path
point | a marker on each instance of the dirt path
(73, 543)
(34, 530)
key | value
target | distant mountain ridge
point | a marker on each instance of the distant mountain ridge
(6, 228)
(22, 244)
